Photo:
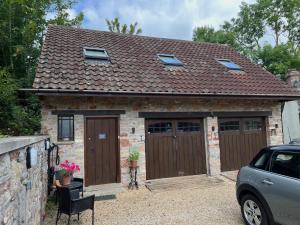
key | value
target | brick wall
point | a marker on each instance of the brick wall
(132, 106)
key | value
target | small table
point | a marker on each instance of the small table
(75, 185)
(133, 178)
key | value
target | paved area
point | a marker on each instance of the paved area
(185, 182)
(209, 205)
(231, 175)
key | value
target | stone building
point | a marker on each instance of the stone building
(290, 114)
(190, 108)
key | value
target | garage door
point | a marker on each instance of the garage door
(240, 140)
(174, 147)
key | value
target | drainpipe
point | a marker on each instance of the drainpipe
(282, 108)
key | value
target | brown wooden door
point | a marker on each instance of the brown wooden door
(101, 149)
(174, 148)
(240, 140)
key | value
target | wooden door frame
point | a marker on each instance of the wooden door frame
(118, 163)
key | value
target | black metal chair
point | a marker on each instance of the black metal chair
(77, 179)
(59, 176)
(70, 203)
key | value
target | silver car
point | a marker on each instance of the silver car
(268, 190)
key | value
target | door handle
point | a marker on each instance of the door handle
(267, 181)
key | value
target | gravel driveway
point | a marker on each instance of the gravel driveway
(214, 205)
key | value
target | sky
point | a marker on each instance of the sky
(159, 18)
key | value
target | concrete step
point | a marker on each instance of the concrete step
(104, 190)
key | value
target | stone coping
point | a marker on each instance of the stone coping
(13, 143)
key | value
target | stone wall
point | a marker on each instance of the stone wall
(132, 106)
(23, 192)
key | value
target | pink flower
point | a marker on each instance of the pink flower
(69, 168)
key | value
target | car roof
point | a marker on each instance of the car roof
(291, 147)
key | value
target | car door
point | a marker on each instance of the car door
(281, 187)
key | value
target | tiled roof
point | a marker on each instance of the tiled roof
(135, 68)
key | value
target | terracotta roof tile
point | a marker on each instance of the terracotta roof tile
(135, 68)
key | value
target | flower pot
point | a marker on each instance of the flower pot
(133, 163)
(66, 180)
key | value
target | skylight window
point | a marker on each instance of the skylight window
(95, 53)
(169, 60)
(229, 64)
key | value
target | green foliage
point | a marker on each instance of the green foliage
(276, 18)
(246, 33)
(7, 100)
(22, 28)
(279, 59)
(61, 7)
(24, 121)
(209, 34)
(134, 154)
(16, 119)
(115, 26)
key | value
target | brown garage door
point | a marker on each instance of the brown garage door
(174, 148)
(240, 140)
(101, 151)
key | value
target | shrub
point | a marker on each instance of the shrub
(134, 154)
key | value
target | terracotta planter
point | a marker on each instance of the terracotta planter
(66, 180)
(133, 163)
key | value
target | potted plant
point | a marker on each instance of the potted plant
(134, 156)
(68, 169)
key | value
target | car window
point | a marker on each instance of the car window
(261, 160)
(286, 163)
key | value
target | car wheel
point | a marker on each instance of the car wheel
(253, 211)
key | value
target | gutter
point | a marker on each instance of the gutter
(67, 92)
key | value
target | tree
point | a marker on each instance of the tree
(22, 28)
(7, 100)
(115, 26)
(278, 59)
(279, 19)
(257, 23)
(61, 7)
(209, 34)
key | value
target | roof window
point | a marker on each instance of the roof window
(229, 64)
(95, 53)
(170, 60)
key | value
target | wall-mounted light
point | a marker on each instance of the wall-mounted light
(276, 125)
(213, 128)
(273, 132)
(47, 143)
(31, 157)
(133, 130)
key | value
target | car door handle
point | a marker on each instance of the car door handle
(268, 182)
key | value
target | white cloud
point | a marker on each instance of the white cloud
(50, 15)
(162, 18)
(72, 13)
